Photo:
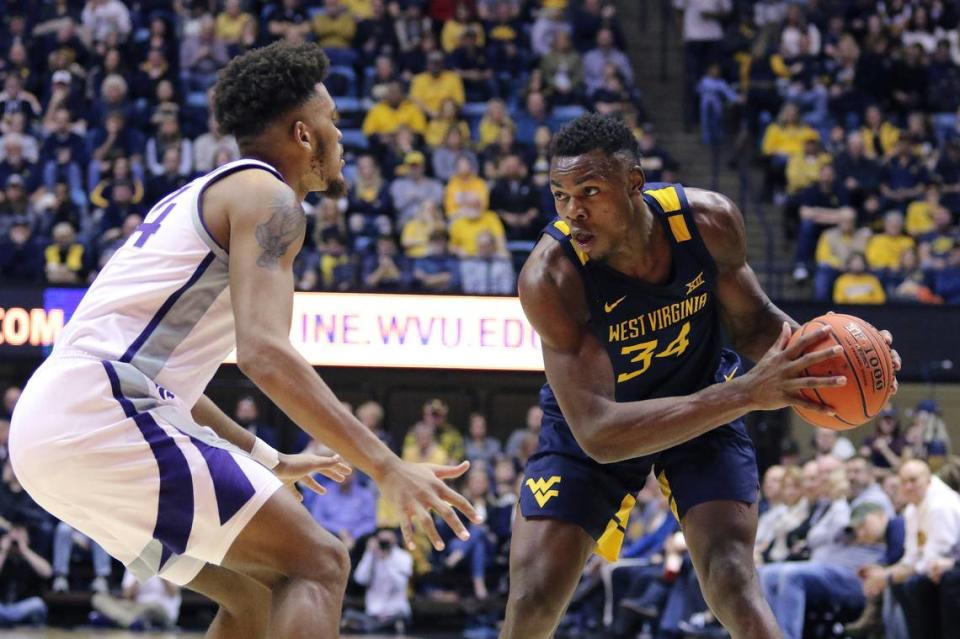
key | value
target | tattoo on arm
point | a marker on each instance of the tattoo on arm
(285, 226)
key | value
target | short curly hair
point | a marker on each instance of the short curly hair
(263, 84)
(592, 132)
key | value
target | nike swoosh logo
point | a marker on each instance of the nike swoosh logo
(729, 376)
(609, 307)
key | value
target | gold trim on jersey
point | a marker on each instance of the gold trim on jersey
(667, 197)
(669, 200)
(610, 542)
(668, 493)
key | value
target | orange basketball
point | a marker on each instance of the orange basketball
(866, 362)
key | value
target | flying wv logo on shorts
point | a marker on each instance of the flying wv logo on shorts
(543, 489)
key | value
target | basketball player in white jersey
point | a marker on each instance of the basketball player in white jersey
(113, 434)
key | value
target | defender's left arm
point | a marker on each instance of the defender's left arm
(752, 321)
(206, 413)
(289, 468)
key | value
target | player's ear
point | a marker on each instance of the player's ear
(302, 135)
(636, 178)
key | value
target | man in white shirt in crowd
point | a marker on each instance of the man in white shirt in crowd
(153, 604)
(385, 570)
(864, 487)
(932, 518)
(830, 442)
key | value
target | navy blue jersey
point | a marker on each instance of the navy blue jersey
(662, 340)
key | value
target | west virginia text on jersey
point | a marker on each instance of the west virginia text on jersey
(662, 339)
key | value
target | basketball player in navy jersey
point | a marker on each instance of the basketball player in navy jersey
(629, 289)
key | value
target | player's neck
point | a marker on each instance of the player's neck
(286, 168)
(643, 254)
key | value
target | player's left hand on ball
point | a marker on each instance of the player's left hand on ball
(897, 362)
(301, 468)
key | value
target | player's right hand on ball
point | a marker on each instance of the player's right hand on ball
(778, 377)
(418, 489)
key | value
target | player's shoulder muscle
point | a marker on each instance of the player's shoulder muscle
(258, 207)
(721, 226)
(552, 295)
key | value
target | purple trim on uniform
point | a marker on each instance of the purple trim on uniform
(128, 408)
(217, 178)
(165, 308)
(165, 554)
(175, 504)
(231, 487)
(173, 195)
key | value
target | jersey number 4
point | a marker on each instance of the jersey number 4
(146, 229)
(643, 353)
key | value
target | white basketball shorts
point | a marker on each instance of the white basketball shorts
(102, 447)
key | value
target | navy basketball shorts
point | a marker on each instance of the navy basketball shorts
(719, 465)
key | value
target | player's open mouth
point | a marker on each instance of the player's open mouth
(583, 239)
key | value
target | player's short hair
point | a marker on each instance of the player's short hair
(263, 84)
(594, 132)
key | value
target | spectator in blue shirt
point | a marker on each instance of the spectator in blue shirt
(348, 510)
(903, 176)
(21, 255)
(439, 270)
(946, 282)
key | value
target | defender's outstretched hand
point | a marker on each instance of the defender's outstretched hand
(417, 489)
(776, 379)
(300, 468)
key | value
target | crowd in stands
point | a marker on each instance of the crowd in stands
(853, 108)
(447, 109)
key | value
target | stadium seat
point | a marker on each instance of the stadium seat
(341, 82)
(354, 139)
(341, 57)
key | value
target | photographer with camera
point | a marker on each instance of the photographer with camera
(385, 570)
(23, 575)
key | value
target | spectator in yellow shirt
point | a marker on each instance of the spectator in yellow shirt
(803, 169)
(920, 212)
(782, 140)
(453, 29)
(857, 286)
(788, 134)
(65, 263)
(885, 249)
(494, 120)
(415, 237)
(430, 88)
(235, 27)
(879, 136)
(834, 248)
(391, 113)
(335, 27)
(472, 220)
(439, 126)
(465, 182)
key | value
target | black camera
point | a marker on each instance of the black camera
(385, 544)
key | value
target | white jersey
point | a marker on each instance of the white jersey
(162, 302)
